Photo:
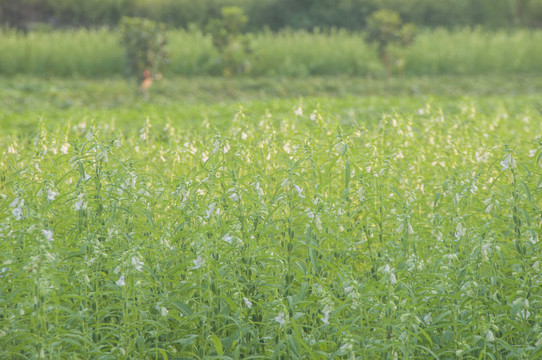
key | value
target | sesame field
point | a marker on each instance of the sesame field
(257, 219)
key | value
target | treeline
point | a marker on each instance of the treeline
(272, 14)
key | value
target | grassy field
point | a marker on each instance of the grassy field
(321, 218)
(97, 53)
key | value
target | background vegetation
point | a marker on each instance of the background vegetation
(274, 14)
(97, 53)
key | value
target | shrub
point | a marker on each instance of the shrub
(385, 28)
(232, 45)
(145, 45)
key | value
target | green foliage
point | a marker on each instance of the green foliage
(89, 53)
(275, 14)
(96, 53)
(385, 28)
(228, 38)
(88, 12)
(533, 15)
(145, 43)
(297, 228)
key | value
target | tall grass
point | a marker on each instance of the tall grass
(468, 52)
(66, 53)
(299, 53)
(95, 53)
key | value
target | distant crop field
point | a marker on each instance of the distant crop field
(98, 54)
(296, 228)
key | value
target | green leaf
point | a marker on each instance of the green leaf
(185, 309)
(218, 345)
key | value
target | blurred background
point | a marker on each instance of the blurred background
(293, 38)
(272, 14)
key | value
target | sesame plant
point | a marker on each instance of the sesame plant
(281, 230)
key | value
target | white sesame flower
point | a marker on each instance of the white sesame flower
(524, 314)
(234, 197)
(120, 281)
(428, 319)
(244, 136)
(86, 176)
(117, 270)
(137, 263)
(508, 163)
(80, 204)
(64, 148)
(459, 231)
(489, 208)
(198, 263)
(48, 234)
(164, 311)
(248, 303)
(216, 145)
(486, 248)
(15, 202)
(258, 189)
(532, 153)
(325, 319)
(227, 238)
(51, 195)
(318, 223)
(299, 191)
(89, 135)
(298, 111)
(287, 148)
(490, 337)
(18, 213)
(211, 210)
(393, 279)
(280, 318)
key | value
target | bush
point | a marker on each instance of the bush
(145, 45)
(229, 40)
(386, 28)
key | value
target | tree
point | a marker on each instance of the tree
(228, 38)
(145, 45)
(385, 28)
